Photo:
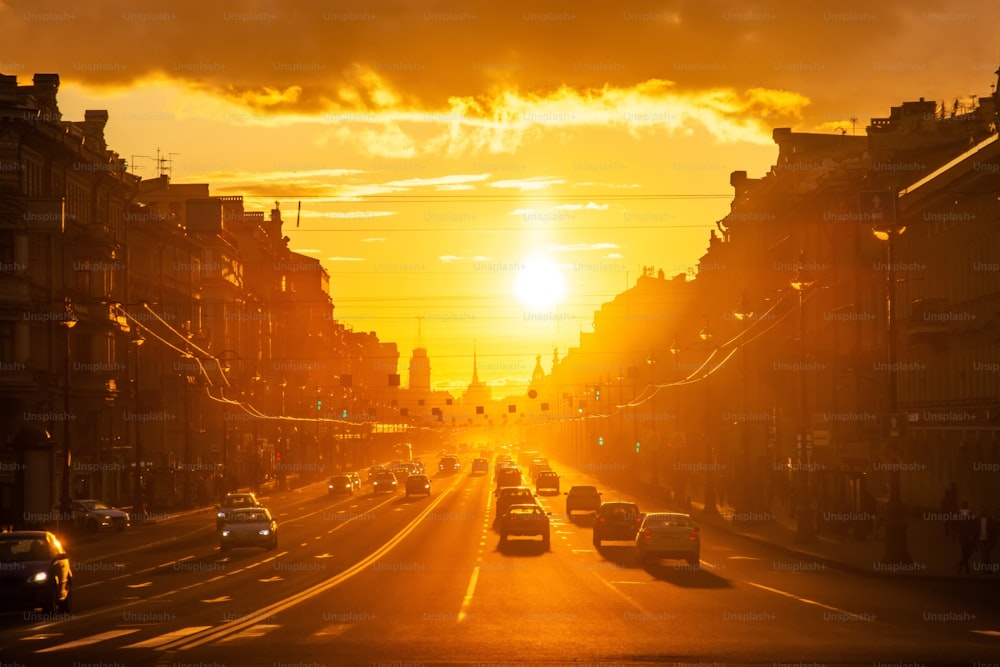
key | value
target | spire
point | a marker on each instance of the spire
(475, 365)
(538, 374)
(420, 332)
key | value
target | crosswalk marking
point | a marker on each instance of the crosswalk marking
(159, 640)
(87, 641)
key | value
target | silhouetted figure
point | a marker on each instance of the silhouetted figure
(966, 524)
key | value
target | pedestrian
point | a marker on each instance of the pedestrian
(949, 509)
(966, 525)
(986, 538)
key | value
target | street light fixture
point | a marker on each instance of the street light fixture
(138, 499)
(69, 321)
(896, 550)
(805, 530)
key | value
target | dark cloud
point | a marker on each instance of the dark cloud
(314, 55)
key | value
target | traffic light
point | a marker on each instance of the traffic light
(344, 413)
(319, 404)
(600, 441)
(597, 393)
(637, 447)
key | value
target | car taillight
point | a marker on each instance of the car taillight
(647, 534)
(693, 535)
(601, 519)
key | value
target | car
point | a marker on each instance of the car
(448, 464)
(668, 535)
(248, 527)
(93, 515)
(35, 572)
(355, 480)
(508, 476)
(537, 465)
(616, 520)
(547, 483)
(582, 498)
(340, 485)
(234, 501)
(384, 482)
(480, 466)
(418, 485)
(512, 495)
(525, 520)
(374, 470)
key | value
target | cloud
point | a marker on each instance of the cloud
(439, 180)
(448, 259)
(589, 206)
(528, 184)
(345, 259)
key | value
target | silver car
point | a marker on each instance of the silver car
(668, 535)
(248, 527)
(93, 515)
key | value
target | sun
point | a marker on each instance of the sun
(540, 285)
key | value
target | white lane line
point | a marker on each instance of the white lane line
(168, 637)
(469, 592)
(860, 617)
(87, 641)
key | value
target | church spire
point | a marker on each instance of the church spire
(475, 365)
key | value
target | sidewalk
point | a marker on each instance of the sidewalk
(933, 553)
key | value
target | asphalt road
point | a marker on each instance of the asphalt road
(385, 580)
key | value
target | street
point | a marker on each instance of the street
(387, 580)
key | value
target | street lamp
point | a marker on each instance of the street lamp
(711, 508)
(896, 550)
(805, 531)
(69, 321)
(138, 500)
(744, 315)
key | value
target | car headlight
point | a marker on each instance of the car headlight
(221, 515)
(264, 531)
(226, 532)
(38, 578)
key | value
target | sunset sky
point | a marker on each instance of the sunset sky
(498, 169)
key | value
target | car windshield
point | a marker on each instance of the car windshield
(584, 490)
(668, 521)
(526, 510)
(94, 505)
(23, 549)
(250, 516)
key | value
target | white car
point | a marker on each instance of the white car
(248, 527)
(668, 535)
(93, 515)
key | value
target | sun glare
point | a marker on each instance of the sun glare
(540, 284)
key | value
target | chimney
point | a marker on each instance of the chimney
(45, 89)
(93, 128)
(8, 89)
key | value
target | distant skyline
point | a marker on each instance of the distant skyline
(498, 171)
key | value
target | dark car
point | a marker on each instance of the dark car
(524, 520)
(582, 498)
(418, 485)
(384, 482)
(512, 495)
(34, 572)
(340, 485)
(508, 476)
(547, 483)
(480, 466)
(448, 464)
(616, 520)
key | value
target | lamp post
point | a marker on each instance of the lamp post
(711, 508)
(69, 321)
(138, 499)
(747, 495)
(896, 550)
(224, 359)
(805, 530)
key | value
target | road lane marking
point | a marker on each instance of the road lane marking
(166, 637)
(87, 641)
(232, 627)
(470, 590)
(861, 617)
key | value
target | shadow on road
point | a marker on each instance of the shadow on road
(686, 576)
(522, 547)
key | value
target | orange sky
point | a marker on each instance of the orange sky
(439, 148)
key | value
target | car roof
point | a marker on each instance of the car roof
(583, 487)
(24, 534)
(668, 515)
(513, 490)
(548, 473)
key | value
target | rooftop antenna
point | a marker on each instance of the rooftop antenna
(132, 164)
(298, 215)
(854, 125)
